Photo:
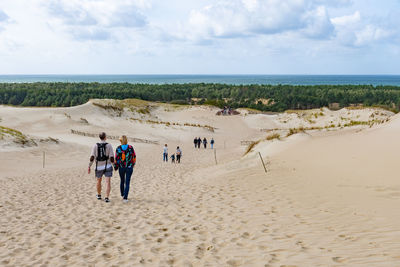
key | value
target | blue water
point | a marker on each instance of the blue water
(227, 79)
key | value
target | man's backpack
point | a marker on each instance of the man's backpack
(101, 152)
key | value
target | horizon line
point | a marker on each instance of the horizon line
(194, 74)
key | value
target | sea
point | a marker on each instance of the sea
(221, 79)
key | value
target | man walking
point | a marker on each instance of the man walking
(212, 143)
(165, 153)
(103, 154)
(178, 154)
(205, 142)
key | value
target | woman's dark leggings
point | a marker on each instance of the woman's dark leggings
(125, 175)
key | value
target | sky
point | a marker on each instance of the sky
(199, 37)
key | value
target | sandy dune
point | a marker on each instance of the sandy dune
(330, 197)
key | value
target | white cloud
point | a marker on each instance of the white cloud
(347, 20)
(3, 19)
(370, 34)
(250, 5)
(352, 30)
(243, 18)
(94, 19)
(318, 24)
(3, 16)
(90, 34)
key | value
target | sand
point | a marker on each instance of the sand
(330, 197)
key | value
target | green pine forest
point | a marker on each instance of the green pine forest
(275, 98)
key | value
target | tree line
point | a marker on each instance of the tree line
(275, 98)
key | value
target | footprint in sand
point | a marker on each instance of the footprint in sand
(199, 253)
(233, 262)
(108, 244)
(338, 259)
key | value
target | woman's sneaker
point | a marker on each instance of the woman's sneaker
(99, 197)
(125, 200)
(106, 199)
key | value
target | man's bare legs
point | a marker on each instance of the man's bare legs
(108, 186)
(98, 186)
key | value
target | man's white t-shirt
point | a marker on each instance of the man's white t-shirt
(101, 165)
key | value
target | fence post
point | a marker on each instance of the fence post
(262, 161)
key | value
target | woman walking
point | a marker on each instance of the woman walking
(125, 161)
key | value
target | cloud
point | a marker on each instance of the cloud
(248, 18)
(370, 34)
(318, 24)
(71, 14)
(347, 20)
(352, 30)
(83, 34)
(3, 16)
(97, 18)
(3, 20)
(129, 17)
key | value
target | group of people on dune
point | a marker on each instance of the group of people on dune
(123, 161)
(197, 142)
(178, 154)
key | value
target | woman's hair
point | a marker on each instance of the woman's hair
(124, 140)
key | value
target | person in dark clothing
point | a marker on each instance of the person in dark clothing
(205, 142)
(212, 143)
(195, 142)
(198, 142)
(178, 154)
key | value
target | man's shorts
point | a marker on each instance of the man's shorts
(106, 172)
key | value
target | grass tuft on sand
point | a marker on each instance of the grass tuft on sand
(17, 136)
(251, 146)
(273, 136)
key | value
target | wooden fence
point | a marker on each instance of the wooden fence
(114, 137)
(268, 130)
(246, 143)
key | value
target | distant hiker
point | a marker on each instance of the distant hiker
(195, 142)
(178, 154)
(125, 158)
(165, 153)
(172, 158)
(212, 143)
(198, 142)
(103, 154)
(205, 142)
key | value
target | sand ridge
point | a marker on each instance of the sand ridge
(328, 199)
